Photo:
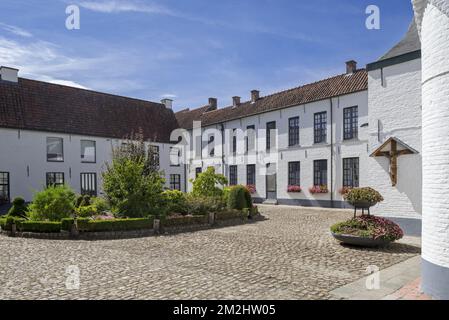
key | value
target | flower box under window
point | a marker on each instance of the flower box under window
(294, 189)
(318, 189)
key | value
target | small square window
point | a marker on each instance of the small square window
(55, 179)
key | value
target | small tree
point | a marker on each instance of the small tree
(18, 208)
(132, 184)
(209, 184)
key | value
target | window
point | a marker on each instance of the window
(89, 184)
(271, 139)
(198, 171)
(250, 138)
(175, 154)
(350, 123)
(293, 131)
(233, 175)
(4, 187)
(320, 127)
(320, 173)
(55, 179)
(351, 172)
(154, 155)
(294, 178)
(251, 174)
(55, 150)
(175, 182)
(88, 151)
(234, 141)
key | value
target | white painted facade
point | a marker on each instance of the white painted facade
(394, 104)
(24, 156)
(306, 152)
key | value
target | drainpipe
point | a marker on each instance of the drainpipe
(222, 149)
(332, 154)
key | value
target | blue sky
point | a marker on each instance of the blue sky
(195, 49)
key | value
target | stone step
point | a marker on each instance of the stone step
(271, 201)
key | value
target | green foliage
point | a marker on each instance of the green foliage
(130, 191)
(18, 208)
(6, 222)
(239, 198)
(183, 221)
(100, 204)
(86, 211)
(39, 226)
(176, 201)
(82, 201)
(200, 205)
(52, 204)
(66, 224)
(230, 214)
(209, 184)
(368, 195)
(88, 225)
(369, 227)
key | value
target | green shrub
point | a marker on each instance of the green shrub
(82, 201)
(230, 214)
(209, 184)
(39, 226)
(176, 201)
(100, 204)
(184, 221)
(66, 224)
(86, 211)
(89, 225)
(18, 209)
(197, 205)
(52, 204)
(8, 221)
(239, 198)
(363, 195)
(130, 191)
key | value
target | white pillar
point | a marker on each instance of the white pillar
(433, 23)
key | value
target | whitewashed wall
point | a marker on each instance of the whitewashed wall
(22, 149)
(306, 153)
(395, 111)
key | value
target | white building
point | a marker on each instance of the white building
(53, 134)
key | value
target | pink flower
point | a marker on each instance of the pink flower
(294, 189)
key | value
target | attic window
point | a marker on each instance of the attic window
(392, 149)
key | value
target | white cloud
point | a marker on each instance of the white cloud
(116, 6)
(168, 96)
(15, 30)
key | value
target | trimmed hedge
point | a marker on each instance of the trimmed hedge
(231, 214)
(239, 198)
(39, 226)
(184, 221)
(6, 223)
(2, 223)
(88, 225)
(66, 224)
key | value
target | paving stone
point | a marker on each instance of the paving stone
(290, 255)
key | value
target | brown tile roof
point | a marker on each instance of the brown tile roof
(36, 105)
(324, 89)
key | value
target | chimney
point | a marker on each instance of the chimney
(254, 95)
(9, 74)
(212, 104)
(168, 103)
(351, 67)
(235, 101)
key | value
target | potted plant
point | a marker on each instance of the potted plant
(367, 231)
(363, 198)
(294, 189)
(344, 190)
(318, 189)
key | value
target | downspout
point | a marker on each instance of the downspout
(222, 149)
(332, 154)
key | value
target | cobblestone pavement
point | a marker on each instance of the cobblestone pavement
(290, 255)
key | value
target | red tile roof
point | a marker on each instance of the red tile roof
(324, 89)
(36, 105)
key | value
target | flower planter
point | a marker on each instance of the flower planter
(360, 241)
(362, 204)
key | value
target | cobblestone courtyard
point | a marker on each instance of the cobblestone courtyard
(290, 255)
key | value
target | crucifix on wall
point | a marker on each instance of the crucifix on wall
(392, 149)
